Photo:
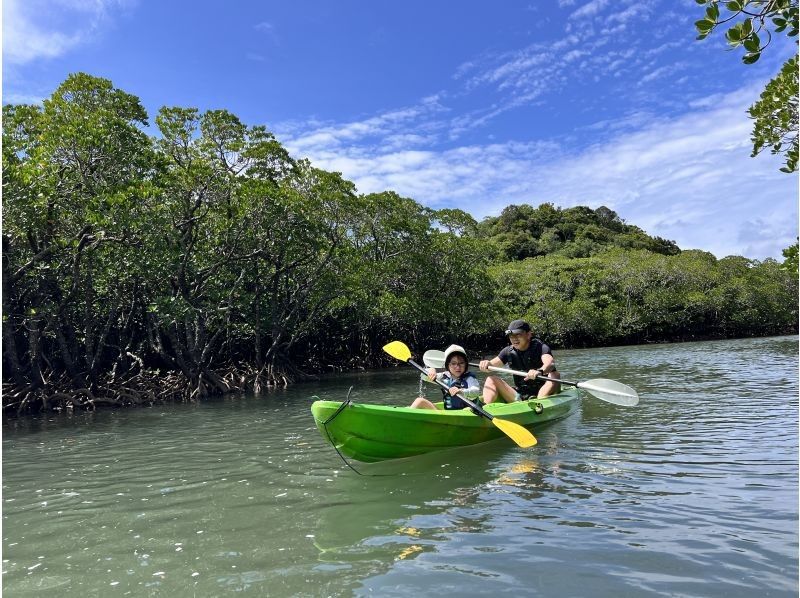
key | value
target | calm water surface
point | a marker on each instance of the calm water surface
(694, 492)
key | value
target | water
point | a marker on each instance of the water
(694, 492)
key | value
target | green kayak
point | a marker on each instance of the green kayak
(372, 433)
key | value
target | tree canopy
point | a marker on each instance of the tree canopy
(790, 259)
(750, 26)
(205, 259)
(522, 231)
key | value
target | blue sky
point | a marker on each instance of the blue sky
(475, 105)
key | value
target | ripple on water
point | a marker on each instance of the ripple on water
(692, 492)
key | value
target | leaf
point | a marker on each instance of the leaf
(750, 46)
(751, 58)
(712, 13)
(704, 25)
(734, 6)
(753, 43)
(733, 34)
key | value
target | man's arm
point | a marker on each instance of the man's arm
(494, 362)
(548, 363)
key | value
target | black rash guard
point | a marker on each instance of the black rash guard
(529, 359)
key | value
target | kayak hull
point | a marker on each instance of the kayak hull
(371, 433)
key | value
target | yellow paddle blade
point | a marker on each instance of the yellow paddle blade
(516, 432)
(398, 350)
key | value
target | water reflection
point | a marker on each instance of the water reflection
(381, 503)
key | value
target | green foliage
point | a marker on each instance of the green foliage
(209, 254)
(523, 231)
(623, 297)
(776, 116)
(410, 277)
(206, 249)
(776, 113)
(77, 177)
(790, 261)
(757, 17)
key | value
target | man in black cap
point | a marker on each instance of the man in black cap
(526, 354)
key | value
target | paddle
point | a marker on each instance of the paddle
(610, 391)
(517, 433)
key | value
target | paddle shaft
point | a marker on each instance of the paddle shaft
(521, 373)
(605, 390)
(477, 409)
(587, 386)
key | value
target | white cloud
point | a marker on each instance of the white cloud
(573, 55)
(405, 140)
(268, 29)
(589, 9)
(543, 69)
(633, 11)
(36, 29)
(389, 126)
(18, 98)
(663, 71)
(24, 41)
(689, 179)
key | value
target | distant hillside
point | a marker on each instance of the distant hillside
(523, 231)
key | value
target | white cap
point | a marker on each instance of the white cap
(454, 349)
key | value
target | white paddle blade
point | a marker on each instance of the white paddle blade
(610, 391)
(433, 359)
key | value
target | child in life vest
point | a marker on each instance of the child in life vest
(457, 378)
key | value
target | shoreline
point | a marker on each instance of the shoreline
(153, 387)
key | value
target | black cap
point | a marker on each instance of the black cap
(518, 326)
